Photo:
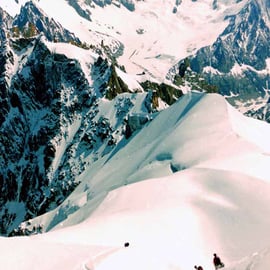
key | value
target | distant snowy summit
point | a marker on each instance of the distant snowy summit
(240, 50)
(238, 61)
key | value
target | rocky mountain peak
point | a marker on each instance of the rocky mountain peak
(236, 61)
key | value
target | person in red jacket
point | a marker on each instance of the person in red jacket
(217, 262)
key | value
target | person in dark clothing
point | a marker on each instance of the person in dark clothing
(198, 267)
(217, 262)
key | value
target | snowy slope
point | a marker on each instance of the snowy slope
(200, 184)
(171, 223)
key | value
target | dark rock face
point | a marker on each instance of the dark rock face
(86, 13)
(42, 94)
(163, 91)
(82, 12)
(263, 113)
(37, 105)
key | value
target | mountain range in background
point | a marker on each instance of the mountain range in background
(96, 96)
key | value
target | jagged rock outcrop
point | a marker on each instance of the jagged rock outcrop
(135, 122)
(167, 93)
(263, 113)
(129, 4)
(83, 8)
(83, 12)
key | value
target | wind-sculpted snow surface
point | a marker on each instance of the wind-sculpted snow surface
(186, 186)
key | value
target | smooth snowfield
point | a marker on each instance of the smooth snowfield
(194, 181)
(171, 223)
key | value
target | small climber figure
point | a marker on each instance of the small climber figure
(126, 244)
(198, 267)
(217, 262)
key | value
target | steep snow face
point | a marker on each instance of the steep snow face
(183, 130)
(185, 201)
